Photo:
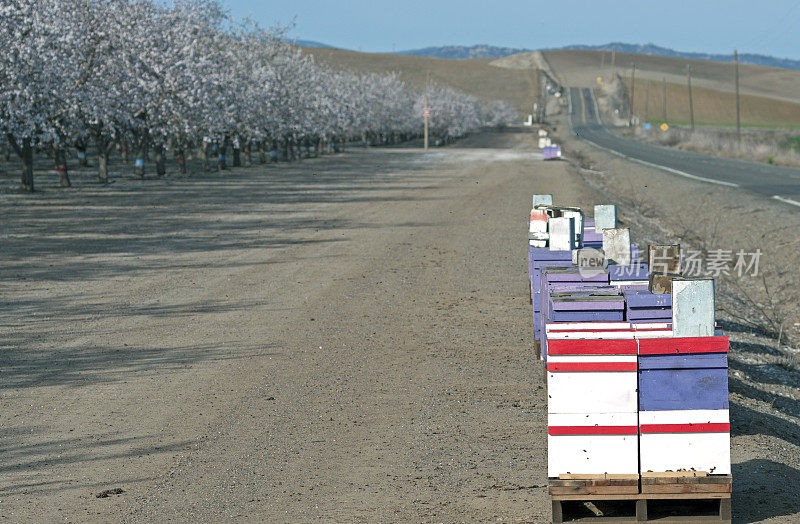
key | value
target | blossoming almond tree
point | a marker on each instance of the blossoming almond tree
(159, 76)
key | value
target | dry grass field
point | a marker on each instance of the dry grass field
(580, 68)
(711, 107)
(477, 77)
(770, 96)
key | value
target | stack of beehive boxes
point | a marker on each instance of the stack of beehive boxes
(592, 405)
(683, 393)
(643, 398)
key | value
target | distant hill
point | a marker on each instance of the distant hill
(462, 52)
(311, 43)
(488, 51)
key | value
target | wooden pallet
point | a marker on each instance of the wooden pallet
(685, 482)
(603, 484)
(666, 497)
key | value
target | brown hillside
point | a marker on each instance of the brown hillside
(711, 107)
(476, 77)
(580, 68)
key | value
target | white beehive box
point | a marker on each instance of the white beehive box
(562, 234)
(591, 383)
(693, 308)
(691, 440)
(617, 245)
(592, 444)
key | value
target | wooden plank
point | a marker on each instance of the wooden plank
(725, 509)
(664, 259)
(661, 284)
(594, 482)
(645, 496)
(641, 511)
(593, 490)
(592, 476)
(686, 488)
(702, 478)
(673, 474)
(558, 515)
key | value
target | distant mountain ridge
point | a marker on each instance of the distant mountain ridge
(489, 51)
(312, 43)
(460, 52)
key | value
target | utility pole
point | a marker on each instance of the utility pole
(689, 86)
(738, 121)
(664, 81)
(633, 91)
(646, 98)
(426, 113)
(539, 92)
(613, 61)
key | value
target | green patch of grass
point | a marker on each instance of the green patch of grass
(793, 142)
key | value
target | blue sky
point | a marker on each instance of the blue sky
(714, 26)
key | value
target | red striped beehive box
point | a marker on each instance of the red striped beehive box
(592, 406)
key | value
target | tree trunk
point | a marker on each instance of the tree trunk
(181, 161)
(102, 166)
(27, 166)
(161, 161)
(221, 165)
(204, 158)
(61, 165)
(124, 154)
(138, 163)
(104, 149)
(237, 157)
(248, 155)
(82, 160)
(262, 157)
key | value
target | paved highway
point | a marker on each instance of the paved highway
(781, 183)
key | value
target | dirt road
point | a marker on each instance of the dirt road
(347, 338)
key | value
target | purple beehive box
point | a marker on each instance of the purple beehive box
(643, 306)
(627, 272)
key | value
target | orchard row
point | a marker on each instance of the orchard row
(143, 76)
